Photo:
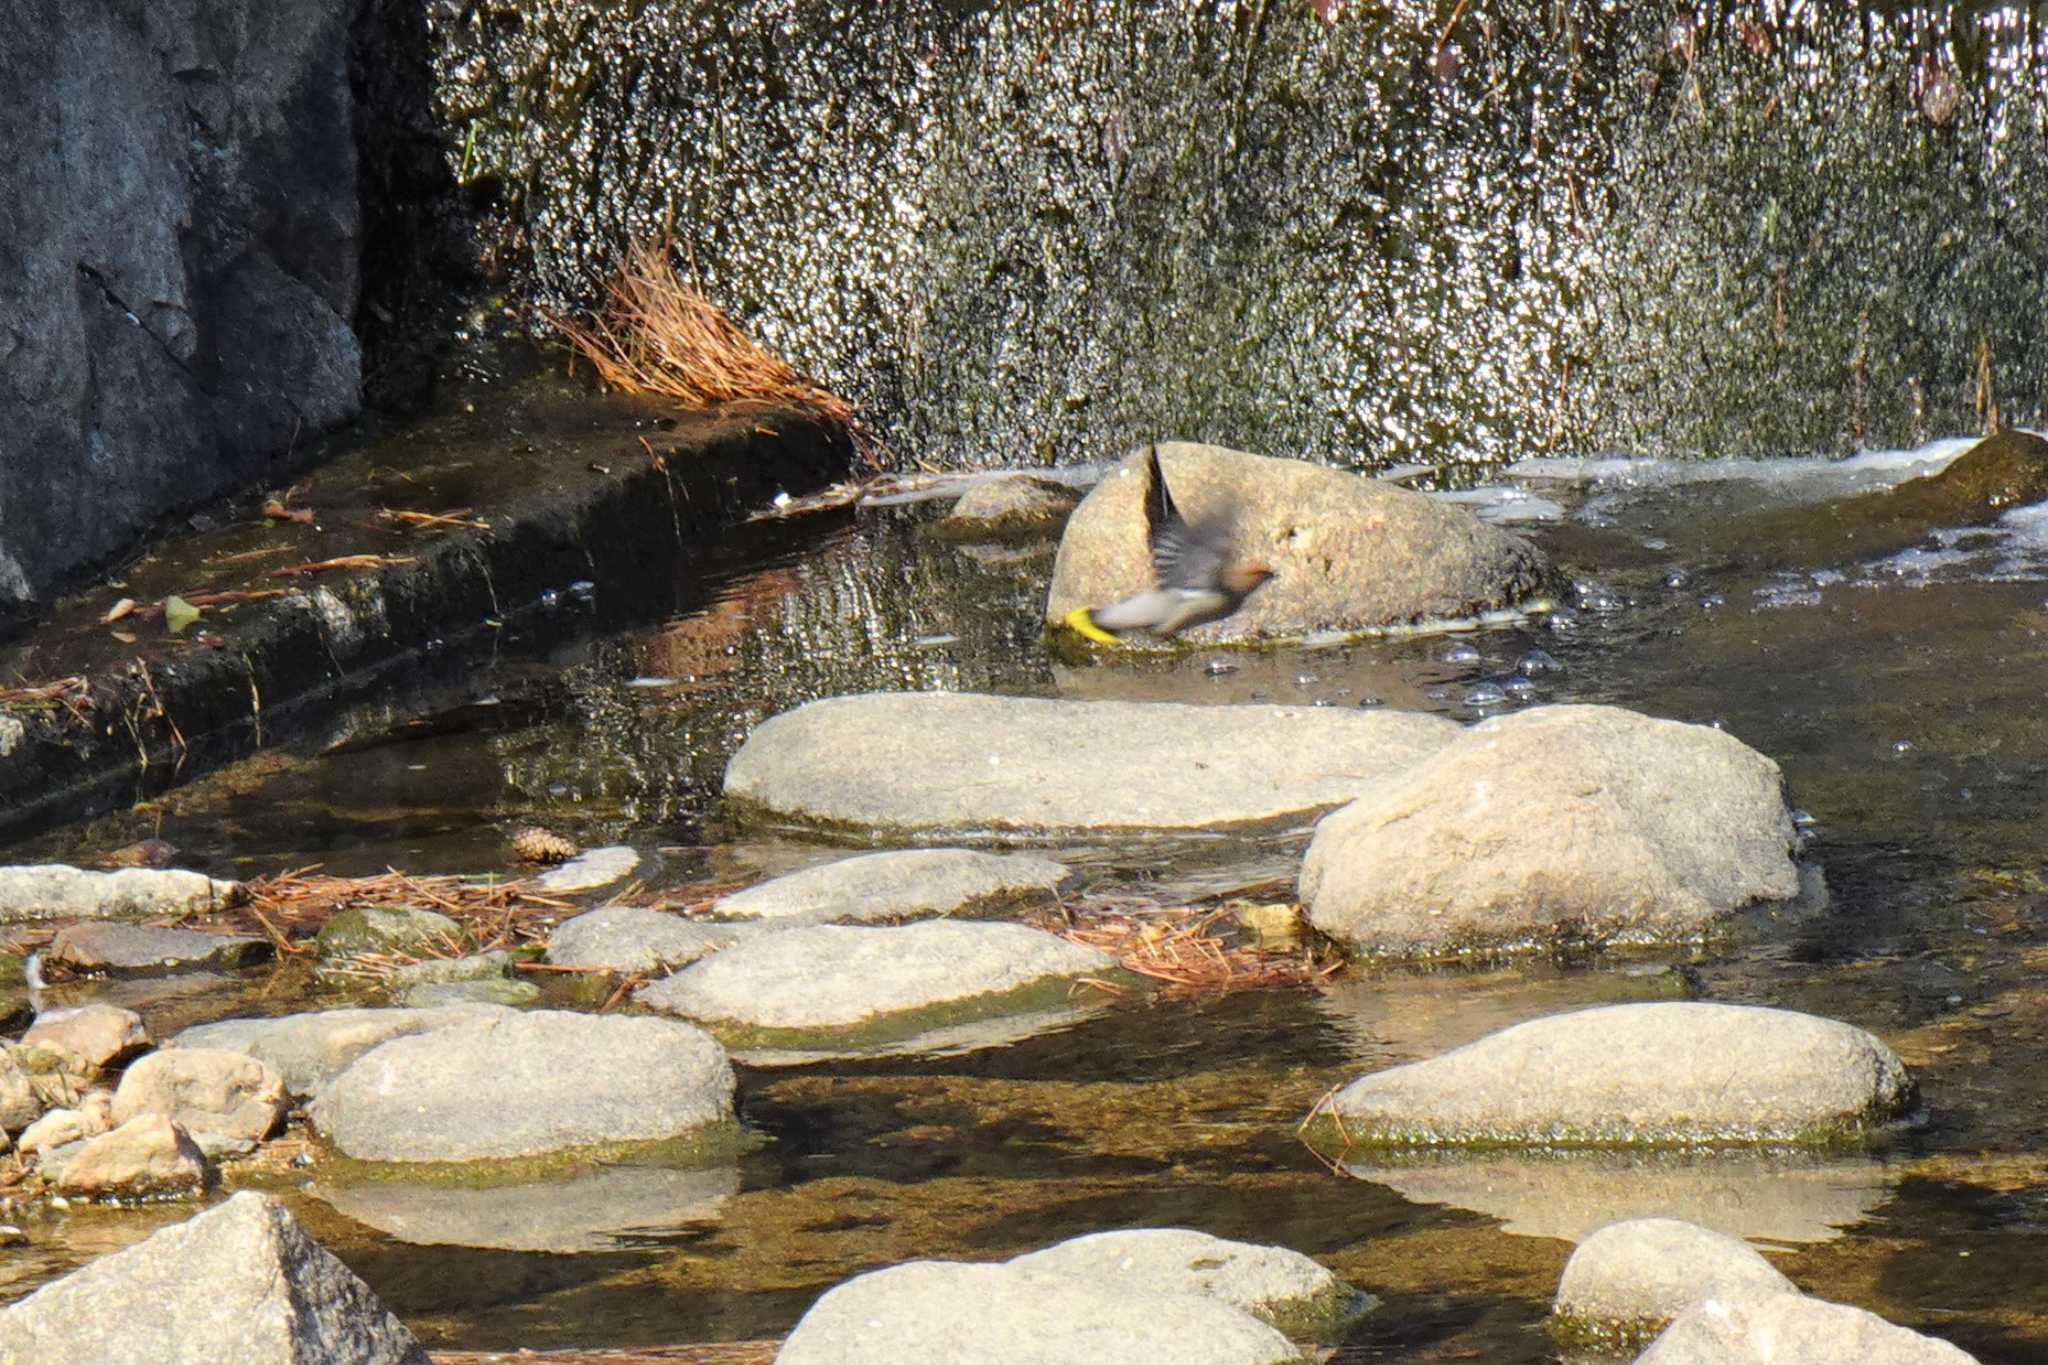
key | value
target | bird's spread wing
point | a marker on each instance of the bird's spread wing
(1185, 555)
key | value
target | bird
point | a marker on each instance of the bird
(1197, 577)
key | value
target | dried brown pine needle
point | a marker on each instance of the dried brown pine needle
(496, 912)
(658, 334)
(1193, 947)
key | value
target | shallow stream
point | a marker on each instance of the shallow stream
(1901, 696)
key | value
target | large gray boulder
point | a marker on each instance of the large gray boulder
(947, 1313)
(1628, 1280)
(526, 1084)
(1587, 821)
(918, 763)
(55, 891)
(904, 884)
(1763, 1328)
(241, 1282)
(1672, 1072)
(182, 245)
(116, 948)
(1346, 552)
(634, 938)
(831, 976)
(311, 1049)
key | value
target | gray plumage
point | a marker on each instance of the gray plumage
(1196, 579)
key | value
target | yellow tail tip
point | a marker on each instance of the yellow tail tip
(1082, 623)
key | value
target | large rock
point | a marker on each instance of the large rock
(55, 891)
(148, 1155)
(947, 1313)
(1346, 552)
(840, 976)
(1579, 821)
(240, 1282)
(1752, 1328)
(116, 948)
(906, 884)
(207, 1090)
(182, 253)
(309, 1050)
(634, 938)
(525, 1085)
(1627, 1281)
(1275, 1285)
(916, 763)
(1677, 1072)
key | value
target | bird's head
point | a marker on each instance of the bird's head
(1242, 579)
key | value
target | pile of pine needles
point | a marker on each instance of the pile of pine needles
(1193, 948)
(659, 334)
(291, 907)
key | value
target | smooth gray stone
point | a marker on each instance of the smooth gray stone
(207, 1090)
(900, 885)
(240, 1282)
(1631, 1278)
(311, 1049)
(55, 891)
(915, 763)
(634, 938)
(588, 870)
(1762, 1328)
(115, 947)
(496, 991)
(525, 1084)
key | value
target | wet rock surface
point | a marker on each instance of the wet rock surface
(634, 938)
(309, 1050)
(1653, 1073)
(840, 976)
(588, 871)
(386, 931)
(228, 1094)
(1347, 553)
(140, 948)
(902, 885)
(947, 1313)
(1760, 1328)
(54, 891)
(1559, 822)
(239, 1282)
(524, 1084)
(1628, 1280)
(914, 763)
(1005, 508)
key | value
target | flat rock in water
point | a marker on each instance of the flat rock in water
(927, 762)
(595, 1210)
(837, 976)
(1277, 1286)
(240, 1282)
(147, 1155)
(524, 1084)
(1779, 1329)
(474, 967)
(588, 871)
(1678, 1071)
(492, 991)
(1347, 552)
(207, 1090)
(1587, 821)
(98, 1033)
(634, 938)
(114, 948)
(1014, 506)
(309, 1050)
(374, 930)
(54, 891)
(947, 1313)
(902, 885)
(1627, 1281)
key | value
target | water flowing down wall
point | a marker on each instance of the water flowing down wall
(1022, 232)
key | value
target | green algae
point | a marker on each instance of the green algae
(707, 1145)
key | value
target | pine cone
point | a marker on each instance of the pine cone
(537, 845)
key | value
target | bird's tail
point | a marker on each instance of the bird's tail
(1082, 622)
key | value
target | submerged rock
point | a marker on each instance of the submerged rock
(207, 1090)
(1627, 1281)
(1006, 508)
(54, 891)
(524, 1084)
(1576, 821)
(902, 885)
(148, 1155)
(97, 1033)
(474, 967)
(1277, 1286)
(311, 1049)
(116, 948)
(386, 931)
(947, 1313)
(240, 1282)
(839, 977)
(1762, 1328)
(634, 938)
(1347, 553)
(912, 763)
(1673, 1072)
(588, 870)
(497, 990)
